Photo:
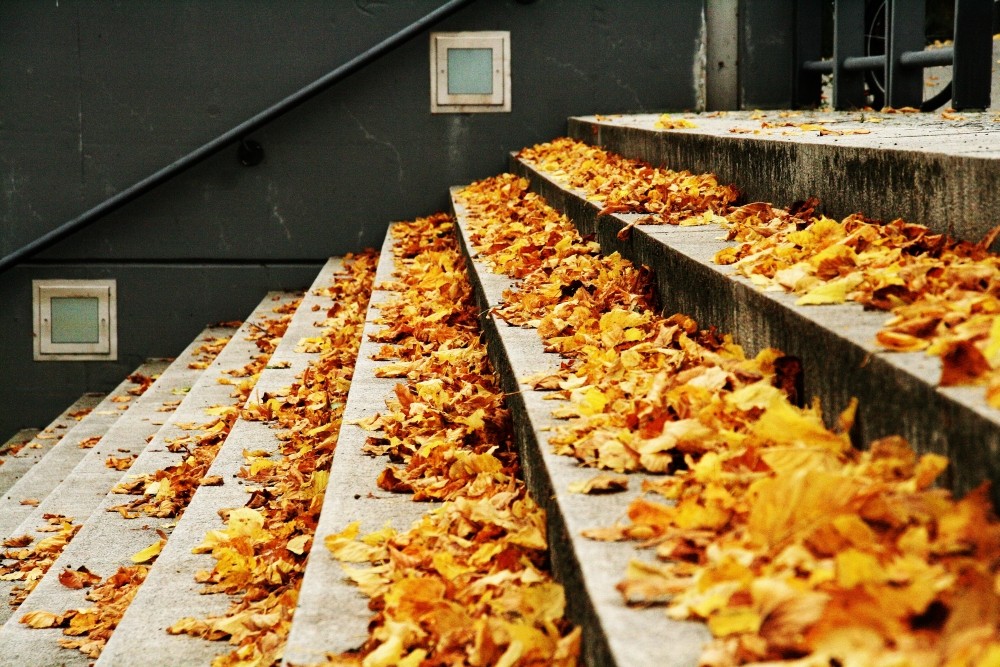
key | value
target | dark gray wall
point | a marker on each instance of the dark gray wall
(96, 94)
(767, 71)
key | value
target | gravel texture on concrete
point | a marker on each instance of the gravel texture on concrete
(170, 591)
(332, 616)
(40, 479)
(84, 496)
(897, 392)
(925, 168)
(613, 633)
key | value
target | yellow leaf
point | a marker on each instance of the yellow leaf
(345, 547)
(42, 619)
(475, 421)
(593, 402)
(602, 483)
(260, 465)
(857, 567)
(297, 545)
(245, 521)
(665, 122)
(734, 620)
(149, 553)
(832, 292)
(992, 349)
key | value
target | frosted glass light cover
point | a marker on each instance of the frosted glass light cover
(470, 71)
(76, 320)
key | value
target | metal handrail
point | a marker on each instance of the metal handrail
(926, 58)
(234, 135)
(901, 67)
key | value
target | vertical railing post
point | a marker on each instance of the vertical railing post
(905, 32)
(808, 88)
(848, 42)
(970, 77)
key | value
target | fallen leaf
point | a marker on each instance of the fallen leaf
(149, 553)
(603, 483)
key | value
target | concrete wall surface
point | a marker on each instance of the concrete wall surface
(97, 94)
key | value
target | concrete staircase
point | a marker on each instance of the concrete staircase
(87, 477)
(836, 343)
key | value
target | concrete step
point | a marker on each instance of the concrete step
(20, 455)
(18, 440)
(170, 591)
(332, 616)
(49, 471)
(107, 540)
(897, 392)
(867, 161)
(84, 488)
(613, 633)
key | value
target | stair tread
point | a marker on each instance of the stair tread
(22, 437)
(898, 393)
(39, 480)
(332, 616)
(956, 159)
(43, 441)
(83, 490)
(613, 633)
(170, 591)
(107, 540)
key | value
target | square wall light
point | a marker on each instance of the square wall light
(75, 320)
(470, 72)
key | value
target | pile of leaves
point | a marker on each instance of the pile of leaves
(166, 492)
(625, 185)
(943, 294)
(27, 562)
(466, 585)
(163, 494)
(790, 544)
(209, 349)
(88, 628)
(260, 555)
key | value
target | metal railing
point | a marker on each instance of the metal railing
(900, 67)
(249, 151)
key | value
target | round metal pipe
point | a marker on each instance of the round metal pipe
(934, 58)
(821, 66)
(859, 63)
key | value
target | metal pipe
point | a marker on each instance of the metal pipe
(932, 58)
(236, 134)
(859, 63)
(821, 66)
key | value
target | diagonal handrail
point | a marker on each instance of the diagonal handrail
(235, 134)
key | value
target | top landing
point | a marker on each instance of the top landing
(939, 169)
